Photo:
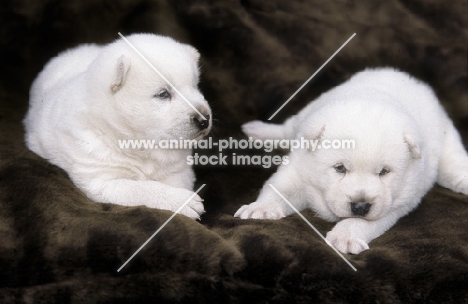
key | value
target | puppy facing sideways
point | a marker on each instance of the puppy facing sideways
(88, 98)
(404, 143)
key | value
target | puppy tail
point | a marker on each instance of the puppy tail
(263, 131)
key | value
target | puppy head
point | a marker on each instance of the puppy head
(155, 97)
(370, 178)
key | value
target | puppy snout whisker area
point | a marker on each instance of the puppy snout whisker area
(360, 208)
(201, 123)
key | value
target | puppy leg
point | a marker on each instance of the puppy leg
(352, 235)
(453, 164)
(149, 193)
(269, 204)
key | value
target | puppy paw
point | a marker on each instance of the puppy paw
(454, 177)
(256, 129)
(193, 209)
(258, 210)
(346, 242)
(462, 186)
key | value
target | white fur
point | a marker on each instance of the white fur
(397, 123)
(89, 97)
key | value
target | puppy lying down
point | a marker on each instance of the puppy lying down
(404, 143)
(88, 98)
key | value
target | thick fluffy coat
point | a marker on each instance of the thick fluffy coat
(88, 98)
(404, 143)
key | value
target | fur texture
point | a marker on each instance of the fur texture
(89, 98)
(58, 246)
(403, 143)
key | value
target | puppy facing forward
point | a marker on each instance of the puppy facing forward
(88, 98)
(404, 142)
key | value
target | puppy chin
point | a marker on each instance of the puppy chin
(367, 217)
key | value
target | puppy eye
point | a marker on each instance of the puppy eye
(340, 168)
(383, 172)
(164, 94)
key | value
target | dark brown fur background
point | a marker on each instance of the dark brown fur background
(58, 246)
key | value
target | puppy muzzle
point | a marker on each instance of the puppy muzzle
(202, 123)
(360, 208)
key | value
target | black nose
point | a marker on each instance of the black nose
(201, 123)
(360, 209)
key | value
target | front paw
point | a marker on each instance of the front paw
(260, 210)
(345, 242)
(193, 209)
(462, 187)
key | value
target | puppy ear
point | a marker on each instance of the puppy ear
(312, 133)
(412, 146)
(120, 73)
(319, 135)
(193, 52)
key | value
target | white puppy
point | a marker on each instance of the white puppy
(404, 143)
(88, 98)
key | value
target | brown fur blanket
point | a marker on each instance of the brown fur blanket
(58, 246)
